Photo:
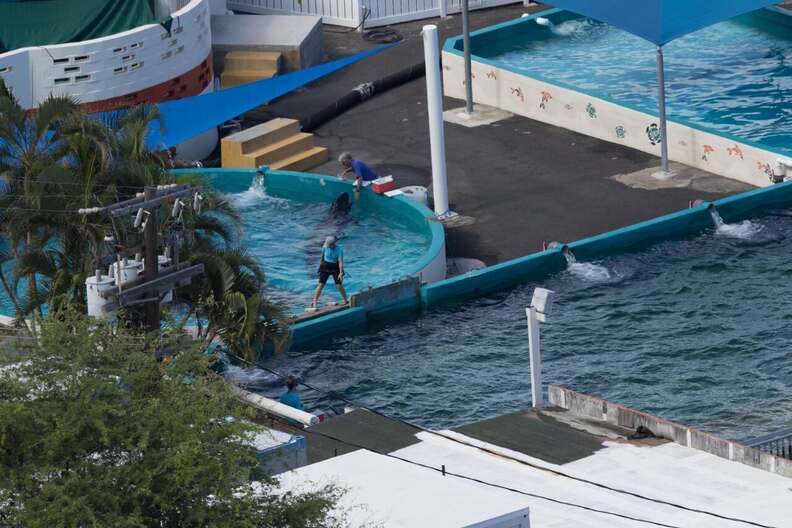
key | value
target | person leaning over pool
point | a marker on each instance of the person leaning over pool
(331, 265)
(363, 173)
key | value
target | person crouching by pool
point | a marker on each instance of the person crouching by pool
(331, 265)
(363, 173)
(291, 397)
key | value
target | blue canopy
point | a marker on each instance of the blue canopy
(661, 21)
(183, 119)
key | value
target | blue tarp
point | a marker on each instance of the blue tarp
(661, 21)
(186, 118)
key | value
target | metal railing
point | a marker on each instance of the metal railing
(778, 443)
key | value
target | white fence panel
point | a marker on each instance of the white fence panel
(348, 12)
(336, 12)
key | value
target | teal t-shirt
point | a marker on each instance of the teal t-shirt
(292, 399)
(332, 255)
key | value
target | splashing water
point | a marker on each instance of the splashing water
(746, 230)
(586, 270)
(250, 377)
(574, 28)
(255, 194)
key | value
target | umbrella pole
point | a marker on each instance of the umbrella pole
(466, 51)
(662, 104)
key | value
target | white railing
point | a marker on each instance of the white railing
(349, 13)
(111, 66)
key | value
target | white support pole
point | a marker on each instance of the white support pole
(434, 95)
(662, 107)
(536, 358)
(443, 9)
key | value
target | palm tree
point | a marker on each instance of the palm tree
(31, 150)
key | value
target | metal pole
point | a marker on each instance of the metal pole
(662, 103)
(151, 262)
(468, 72)
(434, 96)
(536, 358)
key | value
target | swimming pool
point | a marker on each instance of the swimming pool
(286, 237)
(695, 331)
(729, 86)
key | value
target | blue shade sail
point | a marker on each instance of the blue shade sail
(661, 21)
(183, 119)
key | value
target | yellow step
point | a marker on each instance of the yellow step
(303, 161)
(235, 147)
(281, 150)
(229, 79)
(252, 60)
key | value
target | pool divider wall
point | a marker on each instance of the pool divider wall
(563, 105)
(621, 416)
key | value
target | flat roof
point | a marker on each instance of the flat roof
(398, 494)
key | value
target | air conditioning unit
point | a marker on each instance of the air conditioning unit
(518, 519)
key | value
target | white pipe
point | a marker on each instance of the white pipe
(434, 94)
(275, 407)
(535, 357)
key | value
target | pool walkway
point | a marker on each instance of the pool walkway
(520, 181)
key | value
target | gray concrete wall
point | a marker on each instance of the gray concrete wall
(613, 413)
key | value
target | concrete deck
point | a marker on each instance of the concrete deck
(521, 181)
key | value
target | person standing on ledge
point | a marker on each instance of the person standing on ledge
(363, 173)
(291, 397)
(332, 264)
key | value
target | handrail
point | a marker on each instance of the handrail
(778, 443)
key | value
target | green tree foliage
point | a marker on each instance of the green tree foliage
(94, 431)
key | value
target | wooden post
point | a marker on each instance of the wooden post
(151, 262)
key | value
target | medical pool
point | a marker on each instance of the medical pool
(734, 77)
(695, 330)
(286, 236)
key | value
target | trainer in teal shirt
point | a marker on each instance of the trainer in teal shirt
(332, 254)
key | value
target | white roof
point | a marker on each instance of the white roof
(395, 494)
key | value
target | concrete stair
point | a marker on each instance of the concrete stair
(241, 67)
(278, 143)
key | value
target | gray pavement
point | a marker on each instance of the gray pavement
(520, 180)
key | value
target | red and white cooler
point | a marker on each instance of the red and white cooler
(383, 185)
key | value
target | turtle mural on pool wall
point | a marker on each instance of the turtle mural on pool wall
(653, 133)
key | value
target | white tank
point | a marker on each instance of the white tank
(417, 193)
(129, 272)
(99, 306)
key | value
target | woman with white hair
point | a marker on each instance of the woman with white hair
(363, 173)
(331, 265)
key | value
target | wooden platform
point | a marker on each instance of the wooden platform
(278, 143)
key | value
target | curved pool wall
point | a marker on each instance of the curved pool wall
(499, 85)
(537, 266)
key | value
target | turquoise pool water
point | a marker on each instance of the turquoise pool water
(733, 78)
(696, 330)
(287, 235)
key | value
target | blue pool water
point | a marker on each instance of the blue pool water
(287, 235)
(697, 330)
(734, 77)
